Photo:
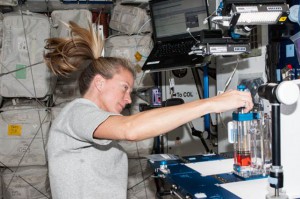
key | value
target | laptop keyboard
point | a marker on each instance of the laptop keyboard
(171, 49)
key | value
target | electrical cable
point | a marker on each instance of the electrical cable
(141, 28)
(188, 30)
(207, 18)
(12, 71)
(139, 182)
(207, 13)
(232, 74)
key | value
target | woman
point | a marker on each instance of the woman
(85, 160)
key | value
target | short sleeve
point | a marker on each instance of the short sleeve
(84, 119)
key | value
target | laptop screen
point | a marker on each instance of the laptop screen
(173, 17)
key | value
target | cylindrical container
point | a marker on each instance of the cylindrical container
(252, 144)
(243, 144)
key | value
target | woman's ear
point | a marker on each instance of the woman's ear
(98, 82)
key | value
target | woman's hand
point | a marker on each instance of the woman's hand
(231, 99)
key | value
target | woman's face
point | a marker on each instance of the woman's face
(115, 93)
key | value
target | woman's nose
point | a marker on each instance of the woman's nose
(128, 98)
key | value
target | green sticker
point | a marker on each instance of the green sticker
(21, 74)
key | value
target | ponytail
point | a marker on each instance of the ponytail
(67, 55)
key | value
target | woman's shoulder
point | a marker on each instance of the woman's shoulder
(82, 102)
(79, 104)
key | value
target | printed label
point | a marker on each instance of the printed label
(218, 49)
(14, 130)
(282, 18)
(184, 94)
(247, 9)
(22, 73)
(274, 8)
(239, 49)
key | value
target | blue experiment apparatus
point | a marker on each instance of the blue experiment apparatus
(250, 134)
(254, 169)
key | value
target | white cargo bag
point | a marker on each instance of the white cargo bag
(23, 46)
(23, 134)
(129, 47)
(59, 17)
(8, 2)
(26, 183)
(135, 48)
(130, 20)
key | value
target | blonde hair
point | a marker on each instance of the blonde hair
(82, 52)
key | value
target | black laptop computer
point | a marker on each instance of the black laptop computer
(173, 22)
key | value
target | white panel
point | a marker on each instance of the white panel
(290, 139)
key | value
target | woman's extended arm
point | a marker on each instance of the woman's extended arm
(157, 121)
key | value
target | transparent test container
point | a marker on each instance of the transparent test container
(251, 137)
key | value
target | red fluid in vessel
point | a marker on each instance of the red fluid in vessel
(243, 158)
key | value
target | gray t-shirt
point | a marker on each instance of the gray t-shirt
(81, 166)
